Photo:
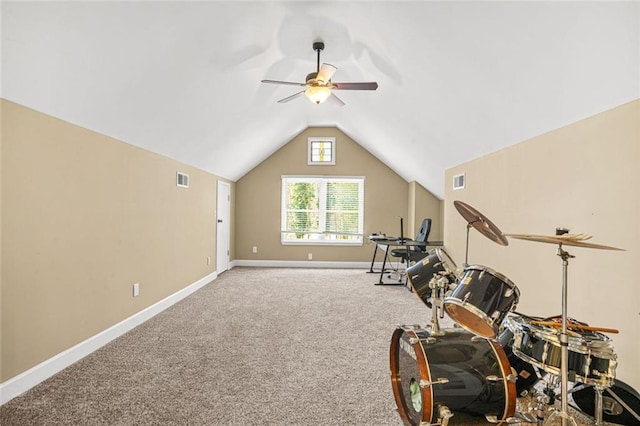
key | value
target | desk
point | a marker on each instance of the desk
(378, 238)
(384, 245)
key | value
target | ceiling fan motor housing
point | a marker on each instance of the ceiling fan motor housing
(311, 77)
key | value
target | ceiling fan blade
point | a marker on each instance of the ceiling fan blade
(290, 98)
(326, 72)
(355, 86)
(334, 100)
(289, 83)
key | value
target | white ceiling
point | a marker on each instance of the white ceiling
(457, 80)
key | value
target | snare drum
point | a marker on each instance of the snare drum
(481, 300)
(457, 371)
(591, 355)
(436, 264)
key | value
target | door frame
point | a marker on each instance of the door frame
(223, 226)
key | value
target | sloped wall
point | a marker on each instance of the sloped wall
(84, 217)
(584, 177)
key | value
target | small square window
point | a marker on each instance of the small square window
(322, 151)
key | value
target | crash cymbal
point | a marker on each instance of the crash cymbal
(481, 223)
(567, 240)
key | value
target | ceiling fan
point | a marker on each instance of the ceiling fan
(319, 85)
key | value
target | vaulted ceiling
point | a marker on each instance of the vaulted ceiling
(457, 80)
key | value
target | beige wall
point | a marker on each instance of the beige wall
(259, 197)
(84, 218)
(586, 177)
(423, 204)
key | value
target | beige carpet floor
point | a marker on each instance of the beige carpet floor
(257, 346)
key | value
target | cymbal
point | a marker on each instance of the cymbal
(481, 223)
(567, 240)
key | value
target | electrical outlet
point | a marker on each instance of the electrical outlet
(310, 256)
(136, 289)
(255, 249)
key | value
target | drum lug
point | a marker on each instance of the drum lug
(513, 377)
(440, 380)
(478, 339)
(493, 378)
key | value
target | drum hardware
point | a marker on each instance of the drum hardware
(444, 414)
(438, 284)
(439, 380)
(519, 417)
(481, 223)
(598, 402)
(561, 237)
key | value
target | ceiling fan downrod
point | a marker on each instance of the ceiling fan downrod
(318, 46)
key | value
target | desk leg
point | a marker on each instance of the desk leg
(375, 250)
(384, 265)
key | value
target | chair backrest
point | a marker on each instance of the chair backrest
(423, 232)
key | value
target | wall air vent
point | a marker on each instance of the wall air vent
(182, 180)
(458, 181)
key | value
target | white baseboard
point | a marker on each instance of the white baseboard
(305, 264)
(25, 381)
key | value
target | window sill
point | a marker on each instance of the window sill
(322, 243)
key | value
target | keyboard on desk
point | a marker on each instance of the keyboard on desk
(381, 237)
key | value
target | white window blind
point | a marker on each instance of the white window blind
(322, 210)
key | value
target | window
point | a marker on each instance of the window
(321, 151)
(322, 210)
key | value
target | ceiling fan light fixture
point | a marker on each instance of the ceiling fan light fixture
(319, 85)
(317, 94)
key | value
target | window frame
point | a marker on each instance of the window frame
(310, 142)
(359, 241)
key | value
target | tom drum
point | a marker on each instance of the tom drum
(437, 264)
(481, 300)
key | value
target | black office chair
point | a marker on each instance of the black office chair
(414, 253)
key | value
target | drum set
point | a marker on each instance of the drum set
(494, 355)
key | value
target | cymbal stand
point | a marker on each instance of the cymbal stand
(598, 408)
(564, 346)
(466, 249)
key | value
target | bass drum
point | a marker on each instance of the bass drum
(436, 263)
(612, 410)
(433, 375)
